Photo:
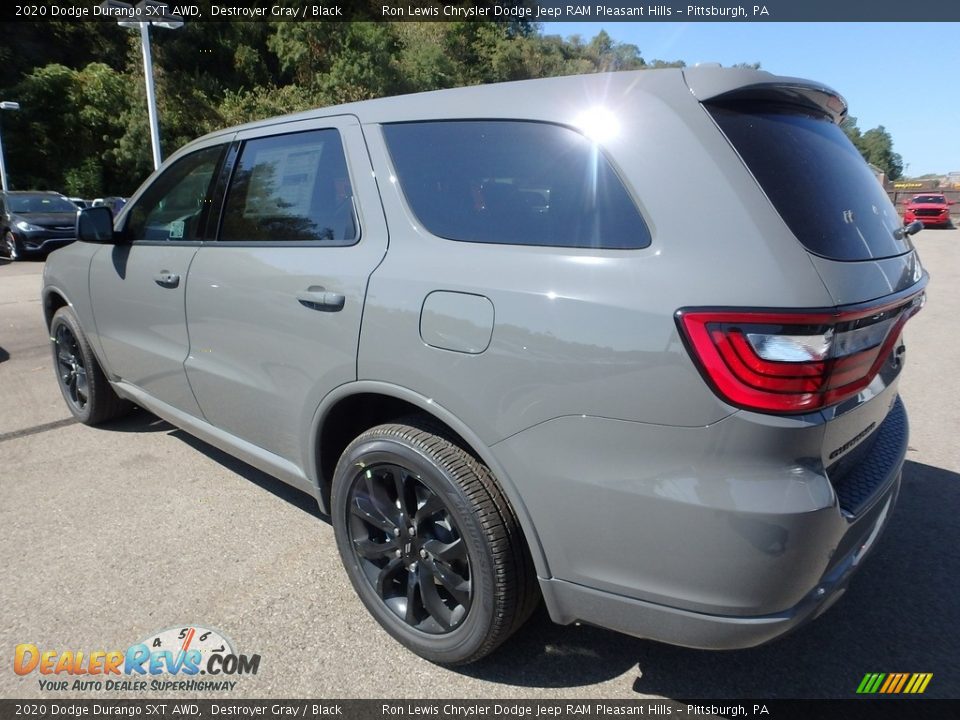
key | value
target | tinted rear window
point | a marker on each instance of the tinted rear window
(816, 179)
(520, 183)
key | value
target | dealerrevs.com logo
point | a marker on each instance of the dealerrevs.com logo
(191, 658)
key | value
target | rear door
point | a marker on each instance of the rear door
(275, 304)
(138, 289)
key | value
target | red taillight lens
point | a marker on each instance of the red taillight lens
(793, 361)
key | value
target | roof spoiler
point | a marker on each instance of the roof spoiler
(709, 84)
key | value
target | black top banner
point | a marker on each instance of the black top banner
(483, 10)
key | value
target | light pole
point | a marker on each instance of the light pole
(5, 105)
(165, 19)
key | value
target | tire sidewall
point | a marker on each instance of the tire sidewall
(466, 638)
(65, 316)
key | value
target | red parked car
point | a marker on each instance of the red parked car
(928, 208)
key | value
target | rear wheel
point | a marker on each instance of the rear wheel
(430, 543)
(85, 388)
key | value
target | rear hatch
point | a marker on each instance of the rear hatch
(787, 133)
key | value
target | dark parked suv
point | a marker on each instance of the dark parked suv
(34, 223)
(513, 361)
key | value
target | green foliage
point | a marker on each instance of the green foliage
(876, 146)
(242, 106)
(83, 125)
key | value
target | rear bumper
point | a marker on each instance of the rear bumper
(569, 602)
(706, 537)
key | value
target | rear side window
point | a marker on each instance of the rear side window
(291, 188)
(815, 178)
(519, 183)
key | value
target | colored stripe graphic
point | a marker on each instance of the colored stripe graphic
(903, 681)
(891, 679)
(894, 683)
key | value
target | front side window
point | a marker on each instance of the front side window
(176, 205)
(513, 182)
(291, 188)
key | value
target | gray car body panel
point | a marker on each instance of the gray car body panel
(141, 325)
(563, 369)
(261, 361)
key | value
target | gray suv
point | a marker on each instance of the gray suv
(628, 343)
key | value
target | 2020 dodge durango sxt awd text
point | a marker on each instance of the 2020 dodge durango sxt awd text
(512, 362)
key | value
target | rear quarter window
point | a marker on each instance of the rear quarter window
(513, 182)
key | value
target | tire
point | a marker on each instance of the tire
(11, 248)
(85, 389)
(461, 582)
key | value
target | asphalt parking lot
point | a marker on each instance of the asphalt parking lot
(110, 534)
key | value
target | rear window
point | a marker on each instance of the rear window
(513, 182)
(815, 178)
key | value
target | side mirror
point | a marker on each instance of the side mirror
(95, 224)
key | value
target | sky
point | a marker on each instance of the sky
(899, 75)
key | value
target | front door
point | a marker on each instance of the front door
(138, 288)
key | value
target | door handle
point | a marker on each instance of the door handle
(317, 298)
(166, 279)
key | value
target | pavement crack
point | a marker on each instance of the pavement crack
(36, 429)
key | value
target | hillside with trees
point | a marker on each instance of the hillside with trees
(83, 130)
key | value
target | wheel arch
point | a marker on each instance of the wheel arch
(53, 300)
(352, 408)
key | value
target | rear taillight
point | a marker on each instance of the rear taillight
(793, 361)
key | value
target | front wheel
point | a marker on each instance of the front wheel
(430, 543)
(11, 249)
(85, 388)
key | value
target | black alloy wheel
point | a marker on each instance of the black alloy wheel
(85, 388)
(430, 542)
(71, 368)
(409, 547)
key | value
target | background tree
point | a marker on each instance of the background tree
(83, 125)
(876, 146)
